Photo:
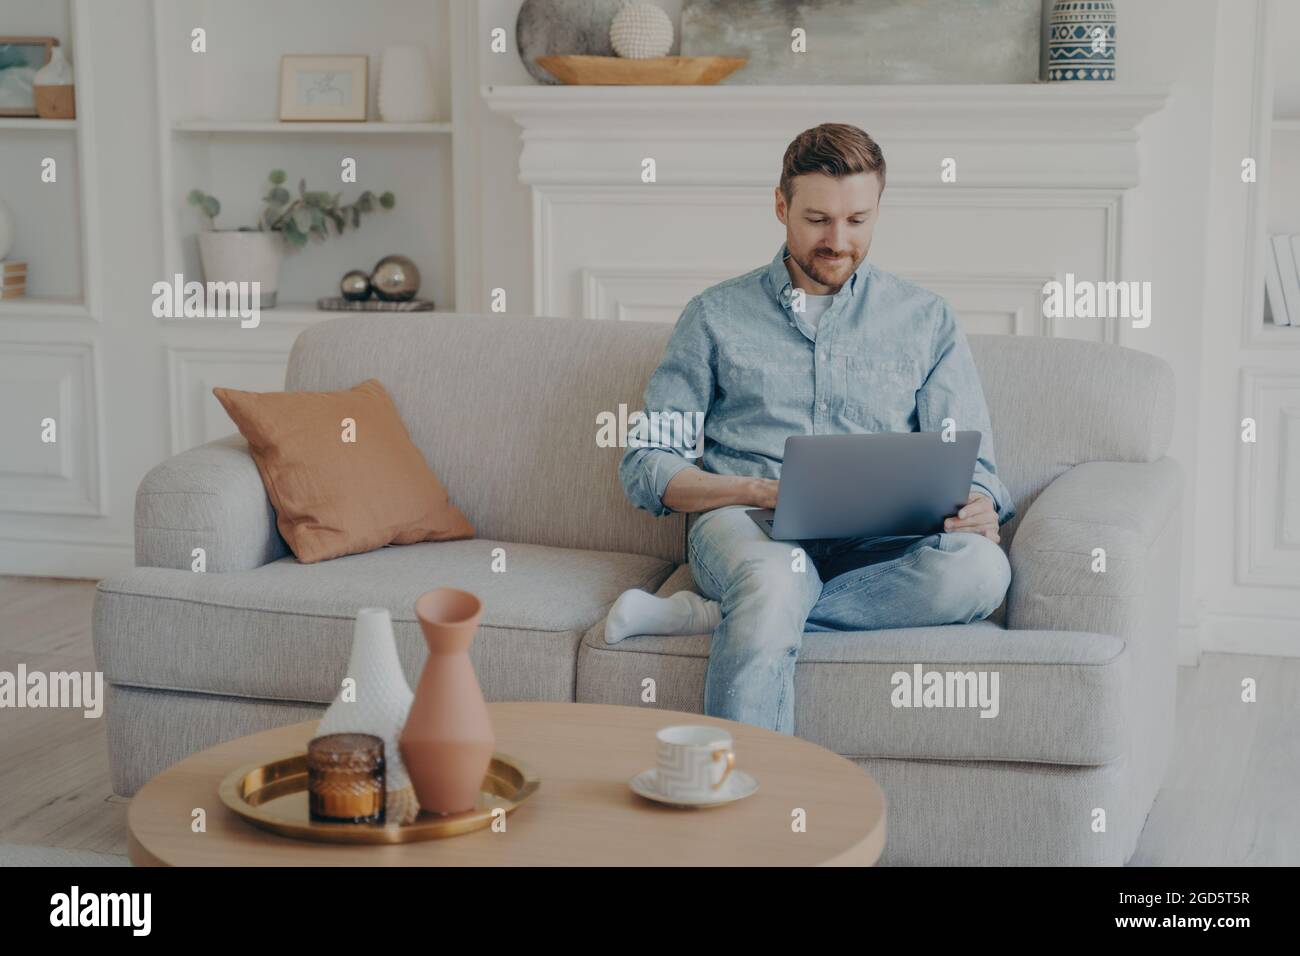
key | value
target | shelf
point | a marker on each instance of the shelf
(272, 126)
(33, 122)
(44, 308)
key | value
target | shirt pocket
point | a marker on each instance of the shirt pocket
(742, 373)
(880, 393)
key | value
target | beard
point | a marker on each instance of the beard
(832, 274)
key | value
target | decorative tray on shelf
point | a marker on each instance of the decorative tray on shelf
(273, 796)
(340, 304)
(655, 71)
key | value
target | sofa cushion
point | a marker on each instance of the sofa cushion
(1060, 698)
(284, 631)
(342, 490)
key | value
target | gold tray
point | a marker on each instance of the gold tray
(273, 796)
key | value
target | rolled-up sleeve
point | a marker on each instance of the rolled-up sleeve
(953, 390)
(682, 385)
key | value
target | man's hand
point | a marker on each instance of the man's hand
(978, 516)
(764, 492)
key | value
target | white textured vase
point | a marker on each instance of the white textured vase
(383, 699)
(406, 86)
(251, 256)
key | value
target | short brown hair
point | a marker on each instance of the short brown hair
(836, 149)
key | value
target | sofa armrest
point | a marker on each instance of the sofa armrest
(1122, 507)
(209, 497)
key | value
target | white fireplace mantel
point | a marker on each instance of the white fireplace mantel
(1021, 135)
(1042, 172)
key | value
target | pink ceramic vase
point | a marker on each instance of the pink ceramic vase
(447, 742)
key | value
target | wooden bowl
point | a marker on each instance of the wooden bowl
(656, 71)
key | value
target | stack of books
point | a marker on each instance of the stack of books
(13, 279)
(1282, 279)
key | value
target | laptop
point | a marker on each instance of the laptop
(885, 483)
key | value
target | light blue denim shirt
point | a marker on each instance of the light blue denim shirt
(887, 356)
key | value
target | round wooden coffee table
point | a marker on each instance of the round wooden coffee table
(583, 813)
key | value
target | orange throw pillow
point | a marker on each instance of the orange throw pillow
(341, 471)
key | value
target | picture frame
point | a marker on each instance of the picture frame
(324, 87)
(20, 58)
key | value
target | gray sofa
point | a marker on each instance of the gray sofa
(505, 411)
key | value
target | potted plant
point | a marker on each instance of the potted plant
(253, 253)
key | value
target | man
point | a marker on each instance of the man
(817, 342)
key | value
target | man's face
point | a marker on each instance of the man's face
(828, 225)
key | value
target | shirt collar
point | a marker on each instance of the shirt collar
(783, 288)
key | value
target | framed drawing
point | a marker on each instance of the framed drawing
(327, 87)
(20, 58)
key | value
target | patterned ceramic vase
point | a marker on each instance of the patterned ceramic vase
(1081, 41)
(447, 742)
(379, 706)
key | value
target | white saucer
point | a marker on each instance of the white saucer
(738, 786)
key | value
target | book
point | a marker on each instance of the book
(1284, 253)
(1273, 287)
(1294, 313)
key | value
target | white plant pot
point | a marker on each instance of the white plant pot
(234, 256)
(406, 86)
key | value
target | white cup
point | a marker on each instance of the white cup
(694, 761)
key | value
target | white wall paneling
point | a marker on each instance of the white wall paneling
(59, 381)
(1268, 521)
(197, 417)
(992, 303)
(673, 233)
(640, 294)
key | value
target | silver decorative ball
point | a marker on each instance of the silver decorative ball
(395, 279)
(355, 286)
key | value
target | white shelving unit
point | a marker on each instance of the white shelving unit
(1278, 202)
(219, 132)
(55, 225)
(281, 128)
(35, 125)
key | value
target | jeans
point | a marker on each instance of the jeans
(870, 583)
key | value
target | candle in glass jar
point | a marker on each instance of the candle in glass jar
(345, 778)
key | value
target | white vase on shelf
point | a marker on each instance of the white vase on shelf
(406, 86)
(382, 702)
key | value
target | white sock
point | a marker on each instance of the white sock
(639, 612)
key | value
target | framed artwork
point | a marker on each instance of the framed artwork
(20, 58)
(327, 87)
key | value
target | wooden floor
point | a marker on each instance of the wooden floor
(53, 762)
(1232, 796)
